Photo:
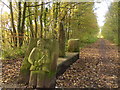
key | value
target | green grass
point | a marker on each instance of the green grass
(87, 42)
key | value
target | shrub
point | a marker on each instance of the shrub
(13, 53)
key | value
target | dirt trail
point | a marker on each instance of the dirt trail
(96, 68)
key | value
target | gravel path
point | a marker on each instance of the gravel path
(96, 68)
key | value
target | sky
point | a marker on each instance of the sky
(3, 7)
(101, 10)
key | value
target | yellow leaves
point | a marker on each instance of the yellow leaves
(44, 68)
(76, 10)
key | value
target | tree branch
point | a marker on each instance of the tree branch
(5, 4)
(29, 15)
(40, 4)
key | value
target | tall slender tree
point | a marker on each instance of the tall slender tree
(13, 25)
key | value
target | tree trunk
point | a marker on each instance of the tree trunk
(31, 24)
(21, 38)
(61, 40)
(13, 25)
(119, 26)
(45, 22)
(19, 21)
(68, 33)
(41, 23)
(35, 20)
(62, 35)
(55, 18)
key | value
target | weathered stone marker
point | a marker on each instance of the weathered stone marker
(43, 60)
(73, 45)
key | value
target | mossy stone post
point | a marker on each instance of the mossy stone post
(43, 64)
(73, 45)
(25, 68)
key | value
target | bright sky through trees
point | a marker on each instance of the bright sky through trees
(101, 9)
(4, 7)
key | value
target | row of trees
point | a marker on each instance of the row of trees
(45, 19)
(110, 29)
(30, 21)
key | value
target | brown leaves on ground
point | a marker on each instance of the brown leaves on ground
(96, 68)
(10, 73)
